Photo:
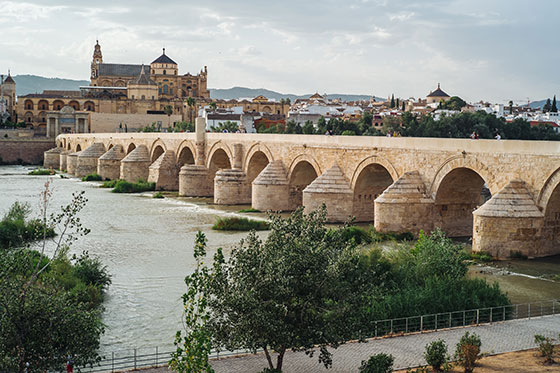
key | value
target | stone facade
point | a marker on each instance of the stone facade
(399, 184)
(24, 150)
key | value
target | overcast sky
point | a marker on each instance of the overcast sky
(478, 49)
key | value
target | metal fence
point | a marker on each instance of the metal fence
(153, 357)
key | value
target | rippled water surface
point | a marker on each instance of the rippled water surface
(146, 244)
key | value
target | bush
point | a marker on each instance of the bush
(249, 210)
(140, 186)
(109, 184)
(546, 348)
(389, 236)
(158, 195)
(468, 351)
(239, 224)
(436, 355)
(16, 230)
(41, 171)
(92, 177)
(380, 363)
(359, 235)
(481, 256)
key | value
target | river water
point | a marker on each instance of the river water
(147, 244)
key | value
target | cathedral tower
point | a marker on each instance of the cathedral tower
(97, 59)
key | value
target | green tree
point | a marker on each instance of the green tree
(168, 109)
(213, 106)
(290, 291)
(454, 103)
(191, 103)
(403, 107)
(553, 108)
(308, 128)
(391, 124)
(228, 126)
(392, 101)
(397, 104)
(547, 106)
(510, 107)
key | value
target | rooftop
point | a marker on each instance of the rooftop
(164, 59)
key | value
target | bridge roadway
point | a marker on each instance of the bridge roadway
(408, 350)
(398, 184)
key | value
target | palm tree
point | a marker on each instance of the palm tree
(510, 107)
(168, 109)
(213, 106)
(191, 102)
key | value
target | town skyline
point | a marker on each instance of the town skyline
(477, 51)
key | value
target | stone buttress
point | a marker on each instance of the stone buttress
(164, 172)
(404, 206)
(87, 160)
(509, 222)
(230, 185)
(135, 165)
(194, 179)
(333, 190)
(109, 164)
(51, 158)
(270, 190)
(63, 160)
(72, 162)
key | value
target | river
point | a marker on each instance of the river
(147, 244)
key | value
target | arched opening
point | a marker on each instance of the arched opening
(89, 106)
(74, 105)
(185, 157)
(69, 146)
(58, 104)
(28, 105)
(165, 89)
(43, 105)
(130, 148)
(29, 117)
(257, 163)
(42, 117)
(460, 192)
(110, 146)
(371, 182)
(158, 151)
(219, 160)
(302, 175)
(78, 148)
(551, 228)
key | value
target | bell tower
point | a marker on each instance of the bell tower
(97, 59)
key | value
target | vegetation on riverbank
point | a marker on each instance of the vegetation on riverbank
(51, 304)
(41, 172)
(109, 184)
(249, 210)
(239, 224)
(92, 177)
(363, 236)
(158, 195)
(17, 229)
(308, 285)
(122, 186)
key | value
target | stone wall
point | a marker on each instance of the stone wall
(106, 122)
(24, 150)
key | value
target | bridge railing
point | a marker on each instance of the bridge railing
(156, 357)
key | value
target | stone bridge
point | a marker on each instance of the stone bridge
(399, 184)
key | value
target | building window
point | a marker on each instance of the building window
(164, 72)
(170, 91)
(143, 97)
(165, 89)
(153, 72)
(133, 97)
(152, 97)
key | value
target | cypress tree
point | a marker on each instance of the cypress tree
(546, 108)
(397, 105)
(403, 106)
(392, 101)
(554, 109)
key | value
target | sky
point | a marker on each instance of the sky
(493, 50)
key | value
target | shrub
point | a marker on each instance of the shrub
(518, 255)
(468, 351)
(109, 184)
(380, 363)
(358, 234)
(158, 195)
(546, 348)
(41, 171)
(481, 256)
(250, 210)
(389, 236)
(436, 355)
(239, 224)
(140, 186)
(15, 229)
(92, 177)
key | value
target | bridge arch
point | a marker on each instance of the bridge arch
(372, 176)
(256, 159)
(130, 147)
(78, 148)
(549, 202)
(462, 161)
(216, 147)
(158, 148)
(186, 153)
(303, 170)
(218, 160)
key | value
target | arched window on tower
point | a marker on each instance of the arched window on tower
(165, 89)
(164, 72)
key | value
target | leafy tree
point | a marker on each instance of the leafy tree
(308, 128)
(436, 355)
(391, 124)
(403, 107)
(397, 104)
(225, 126)
(292, 291)
(468, 351)
(454, 103)
(213, 106)
(168, 109)
(293, 127)
(191, 103)
(392, 101)
(510, 104)
(553, 108)
(547, 106)
(183, 127)
(380, 363)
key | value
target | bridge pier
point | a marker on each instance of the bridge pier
(509, 222)
(51, 158)
(231, 187)
(194, 181)
(404, 206)
(63, 160)
(164, 172)
(135, 165)
(87, 160)
(333, 190)
(72, 162)
(109, 164)
(270, 189)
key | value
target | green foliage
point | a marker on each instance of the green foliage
(454, 103)
(158, 195)
(348, 133)
(547, 106)
(41, 172)
(227, 126)
(546, 347)
(482, 256)
(436, 355)
(553, 107)
(359, 235)
(239, 224)
(92, 177)
(389, 236)
(380, 363)
(308, 128)
(392, 124)
(150, 128)
(468, 351)
(109, 184)
(518, 255)
(122, 186)
(250, 210)
(16, 230)
(182, 126)
(194, 346)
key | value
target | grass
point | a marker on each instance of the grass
(109, 184)
(362, 236)
(239, 224)
(158, 195)
(92, 177)
(41, 171)
(481, 256)
(140, 186)
(250, 210)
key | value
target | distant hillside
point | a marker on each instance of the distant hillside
(242, 92)
(26, 84)
(540, 104)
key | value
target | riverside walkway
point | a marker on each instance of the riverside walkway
(407, 350)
